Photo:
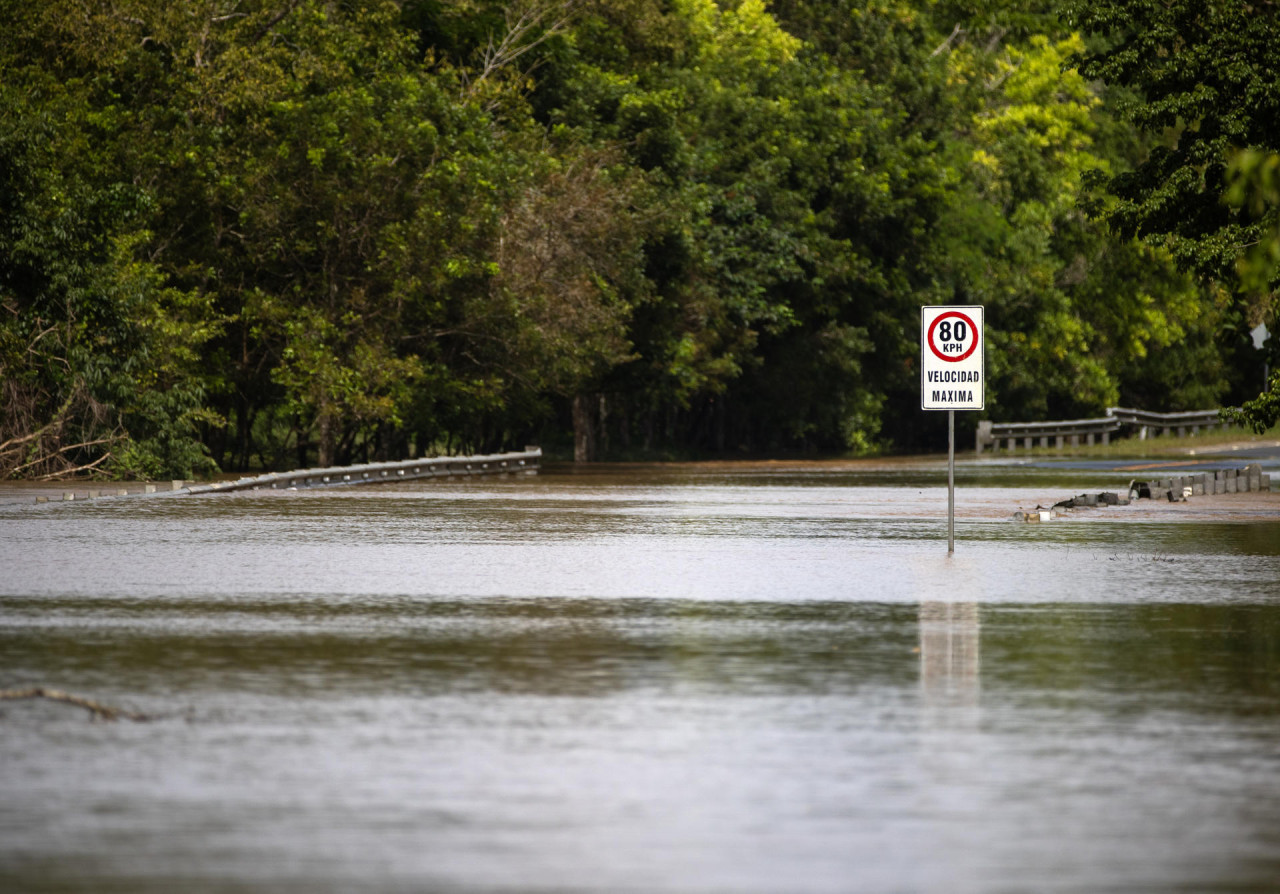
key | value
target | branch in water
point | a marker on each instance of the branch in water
(98, 710)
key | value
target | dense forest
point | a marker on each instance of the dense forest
(270, 233)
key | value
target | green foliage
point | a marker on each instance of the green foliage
(1254, 187)
(1201, 78)
(282, 234)
(1261, 413)
(96, 351)
(1203, 75)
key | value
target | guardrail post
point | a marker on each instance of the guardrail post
(983, 437)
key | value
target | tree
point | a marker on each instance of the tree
(98, 350)
(1202, 75)
(1202, 78)
(1255, 188)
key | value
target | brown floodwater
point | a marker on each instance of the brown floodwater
(713, 678)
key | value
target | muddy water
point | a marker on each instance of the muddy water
(697, 679)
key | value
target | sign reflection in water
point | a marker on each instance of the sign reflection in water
(950, 653)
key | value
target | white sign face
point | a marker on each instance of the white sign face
(952, 352)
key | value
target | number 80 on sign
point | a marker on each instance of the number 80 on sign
(952, 358)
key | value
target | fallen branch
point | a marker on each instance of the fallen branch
(96, 709)
(58, 419)
(71, 473)
(59, 452)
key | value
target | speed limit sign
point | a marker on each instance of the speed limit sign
(952, 365)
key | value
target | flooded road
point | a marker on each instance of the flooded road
(697, 678)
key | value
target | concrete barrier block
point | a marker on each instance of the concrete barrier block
(1253, 472)
(149, 489)
(1231, 482)
(1265, 483)
(1198, 484)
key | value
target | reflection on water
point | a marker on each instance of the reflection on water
(568, 684)
(950, 652)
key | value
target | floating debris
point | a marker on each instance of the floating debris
(1175, 489)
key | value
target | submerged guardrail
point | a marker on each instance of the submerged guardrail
(526, 462)
(1090, 431)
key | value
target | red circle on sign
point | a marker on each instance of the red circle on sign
(957, 357)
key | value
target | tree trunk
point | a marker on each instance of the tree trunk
(584, 430)
(301, 446)
(602, 429)
(244, 434)
(328, 440)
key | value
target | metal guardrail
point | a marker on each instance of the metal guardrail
(1163, 422)
(525, 462)
(1032, 434)
(1091, 431)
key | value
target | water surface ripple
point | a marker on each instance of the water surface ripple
(640, 682)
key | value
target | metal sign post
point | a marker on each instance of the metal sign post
(951, 481)
(952, 377)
